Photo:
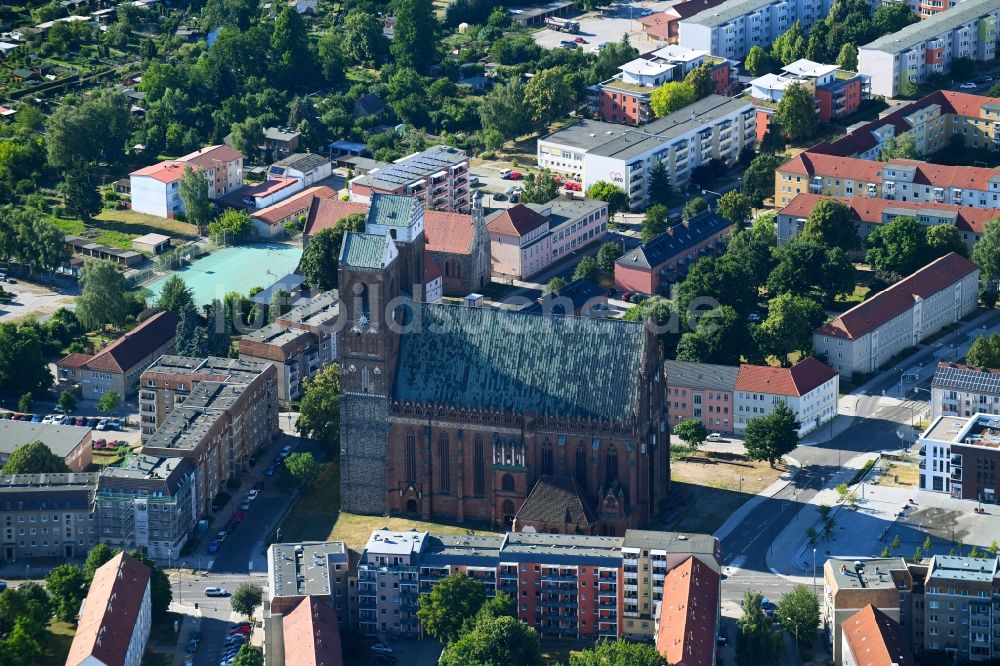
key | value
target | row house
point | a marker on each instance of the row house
(47, 515)
(870, 334)
(732, 28)
(625, 97)
(869, 213)
(713, 128)
(960, 390)
(960, 456)
(701, 391)
(437, 176)
(910, 55)
(809, 388)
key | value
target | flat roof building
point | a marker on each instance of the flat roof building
(70, 443)
(437, 176)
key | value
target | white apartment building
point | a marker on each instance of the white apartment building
(968, 30)
(155, 189)
(731, 29)
(960, 390)
(809, 388)
(871, 333)
(714, 127)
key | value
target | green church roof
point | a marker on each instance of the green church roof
(362, 250)
(393, 210)
(486, 358)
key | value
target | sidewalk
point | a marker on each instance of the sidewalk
(747, 507)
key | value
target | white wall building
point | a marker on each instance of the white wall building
(960, 390)
(809, 388)
(968, 30)
(308, 168)
(714, 127)
(155, 189)
(731, 29)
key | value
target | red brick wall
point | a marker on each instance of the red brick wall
(618, 107)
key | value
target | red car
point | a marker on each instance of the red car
(516, 175)
(238, 517)
(627, 296)
(100, 443)
(580, 40)
(573, 186)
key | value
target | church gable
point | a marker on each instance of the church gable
(491, 359)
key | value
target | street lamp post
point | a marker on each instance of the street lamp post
(795, 630)
(814, 571)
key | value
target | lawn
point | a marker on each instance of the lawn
(315, 517)
(707, 487)
(57, 646)
(844, 303)
(105, 458)
(117, 228)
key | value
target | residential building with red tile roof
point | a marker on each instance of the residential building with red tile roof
(870, 214)
(119, 365)
(809, 388)
(325, 213)
(270, 222)
(115, 617)
(689, 614)
(155, 189)
(872, 638)
(311, 635)
(865, 337)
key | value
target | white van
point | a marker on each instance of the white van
(505, 173)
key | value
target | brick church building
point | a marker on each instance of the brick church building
(488, 415)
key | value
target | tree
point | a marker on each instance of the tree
(693, 207)
(755, 250)
(758, 61)
(159, 584)
(303, 470)
(831, 223)
(249, 655)
(554, 284)
(993, 548)
(193, 191)
(889, 19)
(613, 56)
(701, 81)
(539, 188)
(321, 256)
(20, 648)
(587, 269)
(99, 554)
(504, 109)
(500, 641)
(619, 652)
(789, 326)
(758, 180)
(175, 295)
(548, 94)
(66, 588)
(671, 97)
(943, 239)
(720, 336)
(660, 190)
(67, 403)
(22, 364)
(319, 409)
(247, 599)
(692, 432)
(735, 207)
(612, 195)
(758, 641)
(799, 614)
(984, 352)
(189, 339)
(847, 59)
(363, 41)
(790, 45)
(796, 114)
(109, 401)
(711, 283)
(80, 192)
(414, 40)
(34, 458)
(654, 222)
(102, 298)
(232, 226)
(93, 131)
(293, 59)
(902, 147)
(451, 600)
(607, 254)
(772, 436)
(805, 267)
(898, 247)
(25, 402)
(918, 555)
(986, 253)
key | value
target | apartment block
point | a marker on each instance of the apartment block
(837, 92)
(564, 585)
(968, 30)
(715, 127)
(731, 29)
(960, 456)
(624, 98)
(149, 505)
(298, 344)
(322, 570)
(961, 390)
(702, 391)
(850, 585)
(47, 515)
(868, 335)
(155, 189)
(217, 427)
(869, 214)
(169, 381)
(438, 177)
(962, 598)
(809, 388)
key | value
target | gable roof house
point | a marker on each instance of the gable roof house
(119, 365)
(116, 616)
(688, 619)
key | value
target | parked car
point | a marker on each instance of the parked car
(252, 495)
(568, 44)
(580, 40)
(213, 547)
(627, 296)
(221, 535)
(286, 451)
(473, 181)
(516, 175)
(245, 505)
(269, 471)
(3, 585)
(91, 423)
(505, 173)
(80, 421)
(216, 592)
(715, 437)
(102, 424)
(968, 85)
(100, 443)
(381, 648)
(573, 186)
(37, 418)
(5, 415)
(238, 517)
(241, 628)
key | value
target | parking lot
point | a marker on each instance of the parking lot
(31, 300)
(617, 20)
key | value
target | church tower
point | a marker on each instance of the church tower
(480, 245)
